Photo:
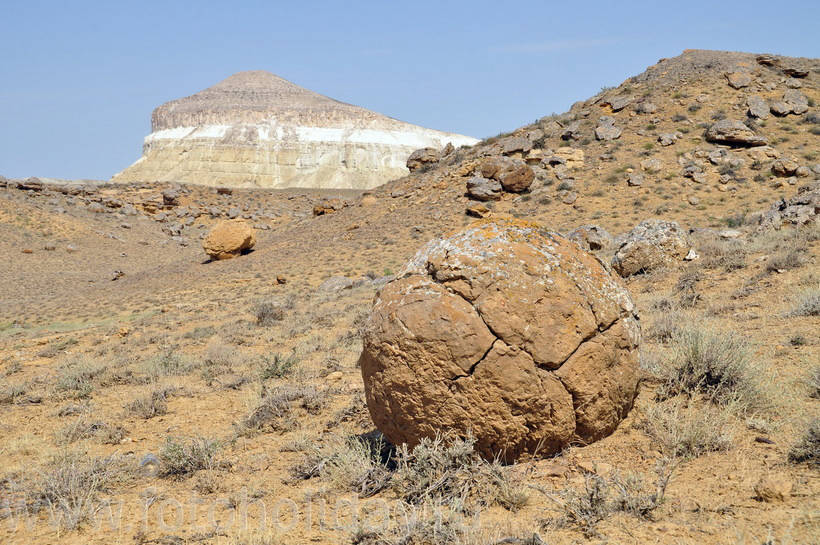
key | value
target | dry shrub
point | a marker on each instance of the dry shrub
(686, 431)
(84, 427)
(718, 253)
(444, 471)
(75, 379)
(785, 260)
(274, 411)
(807, 449)
(600, 497)
(151, 405)
(715, 364)
(70, 486)
(181, 457)
(807, 304)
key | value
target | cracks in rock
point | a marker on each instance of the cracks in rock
(481, 359)
(589, 337)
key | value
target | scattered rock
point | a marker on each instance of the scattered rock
(618, 103)
(478, 211)
(727, 131)
(224, 191)
(795, 71)
(229, 238)
(505, 331)
(30, 184)
(590, 237)
(772, 488)
(513, 174)
(758, 107)
(514, 144)
(763, 154)
(797, 100)
(572, 131)
(646, 108)
(730, 234)
(170, 197)
(634, 179)
(483, 189)
(784, 167)
(651, 165)
(569, 156)
(336, 283)
(328, 206)
(606, 129)
(798, 210)
(116, 275)
(569, 197)
(651, 244)
(693, 200)
(738, 80)
(422, 158)
(667, 139)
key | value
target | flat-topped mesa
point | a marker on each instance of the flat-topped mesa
(255, 129)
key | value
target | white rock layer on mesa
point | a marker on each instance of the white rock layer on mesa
(255, 129)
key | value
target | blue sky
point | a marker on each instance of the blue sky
(78, 80)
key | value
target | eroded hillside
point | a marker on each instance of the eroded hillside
(149, 396)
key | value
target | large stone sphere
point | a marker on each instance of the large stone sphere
(506, 332)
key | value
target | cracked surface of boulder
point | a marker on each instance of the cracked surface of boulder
(507, 332)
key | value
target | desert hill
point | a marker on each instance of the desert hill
(119, 340)
(255, 129)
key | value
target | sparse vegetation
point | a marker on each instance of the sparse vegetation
(71, 484)
(807, 304)
(686, 431)
(180, 457)
(807, 449)
(713, 364)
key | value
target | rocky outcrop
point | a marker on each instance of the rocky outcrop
(727, 131)
(801, 209)
(255, 129)
(506, 332)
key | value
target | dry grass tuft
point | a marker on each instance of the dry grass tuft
(686, 431)
(71, 484)
(808, 448)
(716, 365)
(181, 457)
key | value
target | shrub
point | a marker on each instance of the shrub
(273, 411)
(714, 364)
(83, 428)
(151, 405)
(600, 497)
(277, 367)
(807, 449)
(808, 304)
(785, 260)
(71, 484)
(449, 471)
(180, 457)
(684, 431)
(76, 378)
(354, 464)
(269, 313)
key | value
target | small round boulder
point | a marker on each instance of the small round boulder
(506, 332)
(229, 239)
